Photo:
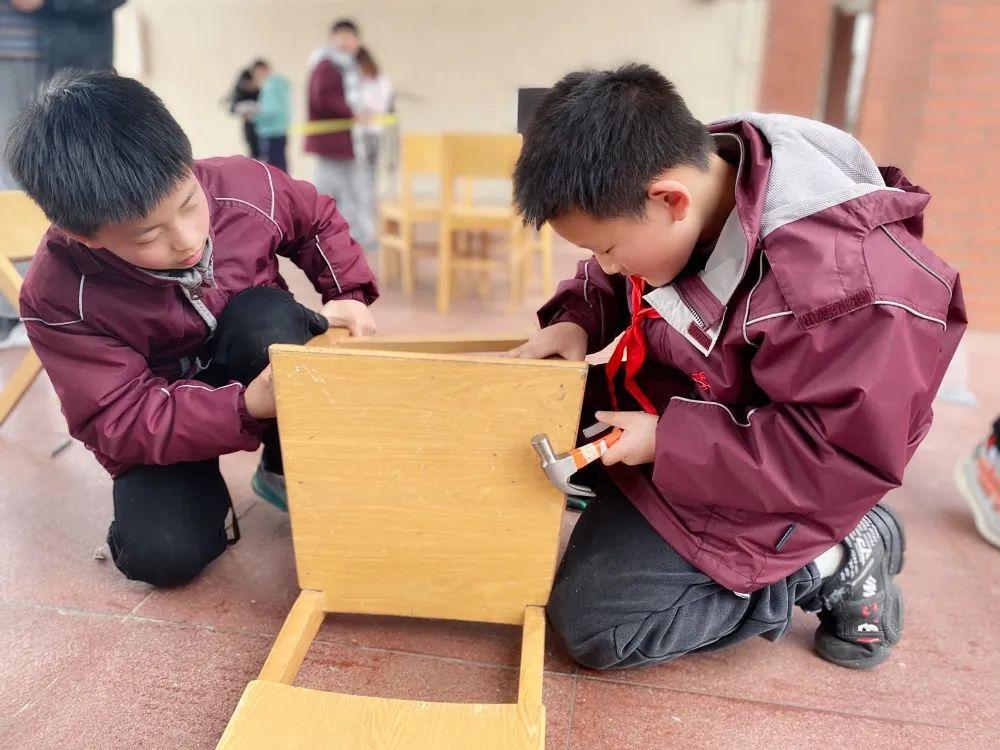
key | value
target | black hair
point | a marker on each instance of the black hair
(260, 63)
(597, 141)
(95, 148)
(344, 24)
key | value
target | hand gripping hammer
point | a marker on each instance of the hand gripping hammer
(560, 468)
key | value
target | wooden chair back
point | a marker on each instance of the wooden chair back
(413, 488)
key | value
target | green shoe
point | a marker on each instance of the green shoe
(576, 503)
(270, 487)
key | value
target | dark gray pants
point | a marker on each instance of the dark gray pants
(623, 598)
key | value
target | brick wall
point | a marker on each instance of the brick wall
(931, 105)
(795, 58)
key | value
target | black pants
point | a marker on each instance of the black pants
(623, 598)
(250, 136)
(272, 150)
(170, 521)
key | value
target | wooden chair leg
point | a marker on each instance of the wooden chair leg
(528, 261)
(384, 267)
(485, 277)
(10, 281)
(444, 268)
(518, 250)
(18, 384)
(293, 641)
(546, 240)
(406, 256)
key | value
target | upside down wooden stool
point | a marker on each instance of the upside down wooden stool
(413, 490)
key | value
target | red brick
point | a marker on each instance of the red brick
(931, 106)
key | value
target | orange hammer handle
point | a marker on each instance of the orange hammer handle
(590, 452)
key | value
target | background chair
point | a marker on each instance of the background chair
(22, 225)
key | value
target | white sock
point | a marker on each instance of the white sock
(831, 560)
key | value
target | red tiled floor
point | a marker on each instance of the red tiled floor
(948, 569)
(113, 682)
(613, 716)
(80, 672)
(408, 676)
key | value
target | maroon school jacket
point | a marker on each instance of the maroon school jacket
(328, 100)
(794, 373)
(120, 345)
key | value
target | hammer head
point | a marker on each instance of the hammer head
(558, 468)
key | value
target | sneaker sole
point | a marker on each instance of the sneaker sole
(982, 525)
(894, 539)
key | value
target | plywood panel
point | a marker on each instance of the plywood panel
(413, 487)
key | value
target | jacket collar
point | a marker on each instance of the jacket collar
(695, 304)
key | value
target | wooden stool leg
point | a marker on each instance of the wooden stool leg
(15, 388)
(293, 641)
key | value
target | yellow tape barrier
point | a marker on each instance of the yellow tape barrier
(340, 125)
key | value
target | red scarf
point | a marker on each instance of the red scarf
(633, 341)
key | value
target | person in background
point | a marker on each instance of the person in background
(243, 103)
(274, 113)
(978, 478)
(38, 38)
(376, 101)
(335, 94)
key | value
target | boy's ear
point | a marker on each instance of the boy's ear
(673, 195)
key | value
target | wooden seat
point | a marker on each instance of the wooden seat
(413, 491)
(470, 158)
(22, 225)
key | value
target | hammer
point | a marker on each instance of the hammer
(560, 468)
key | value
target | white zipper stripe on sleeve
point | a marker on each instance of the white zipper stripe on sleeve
(258, 210)
(721, 406)
(271, 183)
(79, 302)
(319, 249)
(931, 318)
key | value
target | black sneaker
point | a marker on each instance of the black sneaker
(860, 608)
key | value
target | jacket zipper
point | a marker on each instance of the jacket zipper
(694, 313)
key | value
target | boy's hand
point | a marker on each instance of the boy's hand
(637, 445)
(567, 340)
(259, 396)
(350, 314)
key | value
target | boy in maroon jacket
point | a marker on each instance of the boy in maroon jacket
(152, 301)
(783, 333)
